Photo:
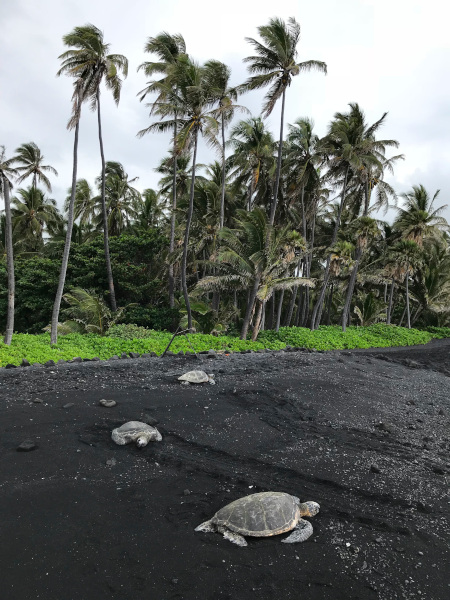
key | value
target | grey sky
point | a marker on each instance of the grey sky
(387, 55)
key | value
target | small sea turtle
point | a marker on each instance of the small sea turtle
(196, 377)
(135, 431)
(263, 515)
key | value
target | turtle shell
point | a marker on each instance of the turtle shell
(194, 377)
(129, 432)
(260, 515)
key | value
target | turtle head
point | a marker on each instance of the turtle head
(141, 441)
(309, 508)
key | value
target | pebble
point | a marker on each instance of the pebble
(69, 405)
(375, 469)
(26, 446)
(111, 462)
(38, 401)
(187, 492)
(107, 403)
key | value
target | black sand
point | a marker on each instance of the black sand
(364, 433)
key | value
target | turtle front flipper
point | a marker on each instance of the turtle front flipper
(232, 536)
(207, 526)
(303, 530)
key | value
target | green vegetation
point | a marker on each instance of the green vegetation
(131, 338)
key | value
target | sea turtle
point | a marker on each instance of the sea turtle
(135, 431)
(262, 515)
(196, 377)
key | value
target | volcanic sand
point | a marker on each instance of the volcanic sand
(364, 433)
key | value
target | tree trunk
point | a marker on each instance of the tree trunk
(249, 310)
(257, 320)
(330, 301)
(280, 308)
(222, 197)
(299, 312)
(317, 312)
(350, 288)
(408, 315)
(391, 296)
(186, 236)
(280, 148)
(65, 258)
(173, 217)
(10, 265)
(112, 293)
(403, 316)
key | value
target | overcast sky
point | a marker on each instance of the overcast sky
(387, 55)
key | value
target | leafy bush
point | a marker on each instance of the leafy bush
(439, 332)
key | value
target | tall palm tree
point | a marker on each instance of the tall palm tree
(84, 207)
(352, 146)
(275, 64)
(407, 255)
(7, 171)
(168, 48)
(29, 160)
(218, 75)
(74, 123)
(149, 210)
(88, 60)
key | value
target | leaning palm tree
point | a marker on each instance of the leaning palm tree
(7, 171)
(168, 48)
(88, 60)
(275, 64)
(74, 123)
(29, 161)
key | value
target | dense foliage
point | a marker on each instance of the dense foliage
(131, 338)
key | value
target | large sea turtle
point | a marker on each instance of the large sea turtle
(135, 431)
(196, 377)
(262, 515)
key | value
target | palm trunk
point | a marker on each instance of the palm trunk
(298, 314)
(280, 147)
(9, 264)
(173, 217)
(391, 296)
(249, 310)
(280, 308)
(330, 301)
(222, 197)
(112, 293)
(257, 320)
(317, 312)
(186, 236)
(65, 259)
(408, 315)
(250, 194)
(403, 316)
(350, 288)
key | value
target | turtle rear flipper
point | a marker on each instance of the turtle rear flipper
(303, 530)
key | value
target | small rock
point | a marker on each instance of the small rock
(114, 357)
(385, 427)
(145, 355)
(26, 446)
(49, 363)
(68, 405)
(375, 469)
(170, 353)
(180, 353)
(153, 354)
(38, 401)
(25, 363)
(186, 492)
(134, 354)
(77, 359)
(61, 362)
(11, 366)
(124, 355)
(107, 403)
(174, 581)
(86, 360)
(111, 462)
(95, 359)
(378, 540)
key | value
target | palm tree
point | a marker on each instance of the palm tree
(85, 206)
(7, 171)
(74, 122)
(218, 75)
(149, 210)
(168, 48)
(88, 60)
(407, 256)
(253, 154)
(255, 256)
(418, 220)
(32, 212)
(30, 159)
(351, 147)
(275, 65)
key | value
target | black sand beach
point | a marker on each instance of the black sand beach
(364, 433)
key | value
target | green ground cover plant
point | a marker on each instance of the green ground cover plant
(132, 338)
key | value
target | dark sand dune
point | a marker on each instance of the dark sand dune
(364, 433)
